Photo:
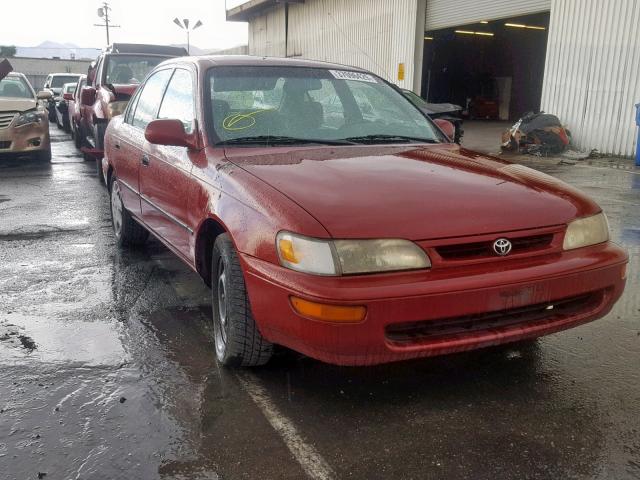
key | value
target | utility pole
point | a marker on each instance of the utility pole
(103, 12)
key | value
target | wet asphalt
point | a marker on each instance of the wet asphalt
(107, 371)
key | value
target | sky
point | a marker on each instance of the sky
(23, 23)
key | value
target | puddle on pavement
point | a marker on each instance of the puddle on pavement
(89, 343)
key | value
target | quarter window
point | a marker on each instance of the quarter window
(150, 98)
(178, 100)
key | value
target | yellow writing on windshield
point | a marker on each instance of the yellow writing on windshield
(242, 121)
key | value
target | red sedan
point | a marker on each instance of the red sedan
(329, 215)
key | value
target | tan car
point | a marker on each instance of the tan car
(24, 124)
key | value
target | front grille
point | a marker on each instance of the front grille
(456, 327)
(470, 251)
(6, 118)
(5, 145)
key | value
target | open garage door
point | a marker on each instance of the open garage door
(494, 68)
(449, 13)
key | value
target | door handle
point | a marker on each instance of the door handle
(145, 160)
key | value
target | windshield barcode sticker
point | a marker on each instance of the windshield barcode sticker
(360, 77)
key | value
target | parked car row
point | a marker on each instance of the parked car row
(332, 216)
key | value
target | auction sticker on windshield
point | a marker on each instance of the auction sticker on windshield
(361, 77)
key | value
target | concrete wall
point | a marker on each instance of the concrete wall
(37, 69)
(592, 72)
(377, 35)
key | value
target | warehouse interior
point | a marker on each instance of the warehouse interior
(494, 68)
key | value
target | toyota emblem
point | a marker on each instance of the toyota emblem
(502, 247)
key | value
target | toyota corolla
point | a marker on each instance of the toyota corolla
(330, 216)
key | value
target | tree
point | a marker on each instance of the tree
(7, 51)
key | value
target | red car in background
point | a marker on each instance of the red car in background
(111, 81)
(357, 238)
(73, 108)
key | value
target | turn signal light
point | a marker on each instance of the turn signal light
(328, 313)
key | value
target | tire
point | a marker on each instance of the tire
(43, 156)
(98, 135)
(238, 342)
(127, 231)
(77, 140)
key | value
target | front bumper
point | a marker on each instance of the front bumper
(586, 282)
(28, 138)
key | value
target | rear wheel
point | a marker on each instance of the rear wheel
(127, 231)
(238, 342)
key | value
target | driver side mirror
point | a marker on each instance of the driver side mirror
(44, 95)
(68, 96)
(447, 128)
(170, 132)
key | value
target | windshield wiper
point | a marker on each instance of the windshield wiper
(389, 139)
(281, 140)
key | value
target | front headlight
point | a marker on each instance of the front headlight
(116, 108)
(24, 118)
(348, 257)
(586, 231)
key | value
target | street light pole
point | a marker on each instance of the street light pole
(184, 25)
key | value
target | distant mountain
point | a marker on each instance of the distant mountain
(65, 51)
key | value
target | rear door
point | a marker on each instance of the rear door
(128, 139)
(165, 177)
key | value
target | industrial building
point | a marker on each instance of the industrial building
(578, 59)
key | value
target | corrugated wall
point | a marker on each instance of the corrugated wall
(450, 13)
(592, 72)
(376, 34)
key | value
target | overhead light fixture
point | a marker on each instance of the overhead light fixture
(521, 25)
(483, 22)
(428, 38)
(469, 32)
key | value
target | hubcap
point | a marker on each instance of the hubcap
(221, 319)
(116, 208)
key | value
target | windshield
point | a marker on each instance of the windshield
(15, 87)
(59, 80)
(271, 105)
(130, 69)
(415, 99)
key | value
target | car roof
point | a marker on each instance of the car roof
(16, 74)
(65, 74)
(207, 61)
(145, 49)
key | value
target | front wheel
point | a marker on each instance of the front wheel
(127, 231)
(238, 342)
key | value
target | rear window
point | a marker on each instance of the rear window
(59, 80)
(130, 69)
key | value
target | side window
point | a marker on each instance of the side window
(178, 101)
(97, 79)
(149, 98)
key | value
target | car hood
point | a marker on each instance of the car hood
(17, 104)
(414, 193)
